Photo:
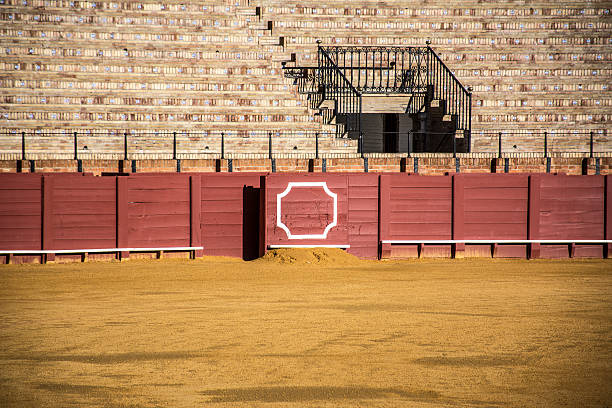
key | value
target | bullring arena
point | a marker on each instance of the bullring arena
(243, 203)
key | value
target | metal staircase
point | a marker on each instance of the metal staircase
(439, 105)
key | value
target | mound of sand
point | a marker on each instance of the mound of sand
(298, 256)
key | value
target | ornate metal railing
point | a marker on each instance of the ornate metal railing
(382, 70)
(336, 88)
(446, 87)
(344, 74)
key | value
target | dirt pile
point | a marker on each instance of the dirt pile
(302, 256)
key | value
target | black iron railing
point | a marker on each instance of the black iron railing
(382, 70)
(126, 144)
(339, 91)
(446, 88)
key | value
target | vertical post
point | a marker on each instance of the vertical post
(454, 144)
(270, 145)
(591, 145)
(76, 148)
(384, 201)
(316, 145)
(409, 147)
(174, 145)
(23, 146)
(122, 217)
(47, 217)
(195, 192)
(125, 146)
(223, 145)
(533, 215)
(545, 144)
(608, 216)
(458, 232)
(499, 146)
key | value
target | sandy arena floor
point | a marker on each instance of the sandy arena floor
(225, 333)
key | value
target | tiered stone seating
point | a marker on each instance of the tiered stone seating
(215, 64)
(531, 64)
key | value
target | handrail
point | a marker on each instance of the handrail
(334, 67)
(447, 69)
(445, 86)
(347, 98)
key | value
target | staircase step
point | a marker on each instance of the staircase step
(246, 11)
(266, 40)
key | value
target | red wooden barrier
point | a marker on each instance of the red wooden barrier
(20, 211)
(572, 207)
(239, 214)
(337, 210)
(494, 208)
(230, 214)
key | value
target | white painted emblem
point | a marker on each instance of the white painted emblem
(279, 211)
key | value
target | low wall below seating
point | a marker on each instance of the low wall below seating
(56, 216)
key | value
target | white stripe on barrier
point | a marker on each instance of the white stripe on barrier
(96, 250)
(309, 246)
(501, 241)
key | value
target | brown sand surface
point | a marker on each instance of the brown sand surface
(304, 330)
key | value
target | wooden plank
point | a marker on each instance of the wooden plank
(84, 208)
(420, 193)
(493, 192)
(608, 216)
(418, 205)
(182, 208)
(86, 222)
(20, 196)
(47, 213)
(84, 243)
(560, 205)
(30, 209)
(414, 181)
(534, 215)
(495, 217)
(78, 233)
(155, 235)
(122, 213)
(223, 205)
(159, 196)
(21, 183)
(422, 218)
(385, 205)
(163, 183)
(437, 230)
(77, 184)
(570, 194)
(501, 231)
(564, 181)
(496, 204)
(569, 231)
(495, 180)
(71, 195)
(459, 215)
(195, 221)
(158, 220)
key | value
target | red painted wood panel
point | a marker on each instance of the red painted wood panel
(20, 211)
(307, 210)
(415, 207)
(571, 207)
(167, 221)
(83, 212)
(230, 214)
(363, 215)
(496, 207)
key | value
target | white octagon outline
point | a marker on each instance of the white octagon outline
(292, 184)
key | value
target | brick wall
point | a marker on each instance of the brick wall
(425, 165)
